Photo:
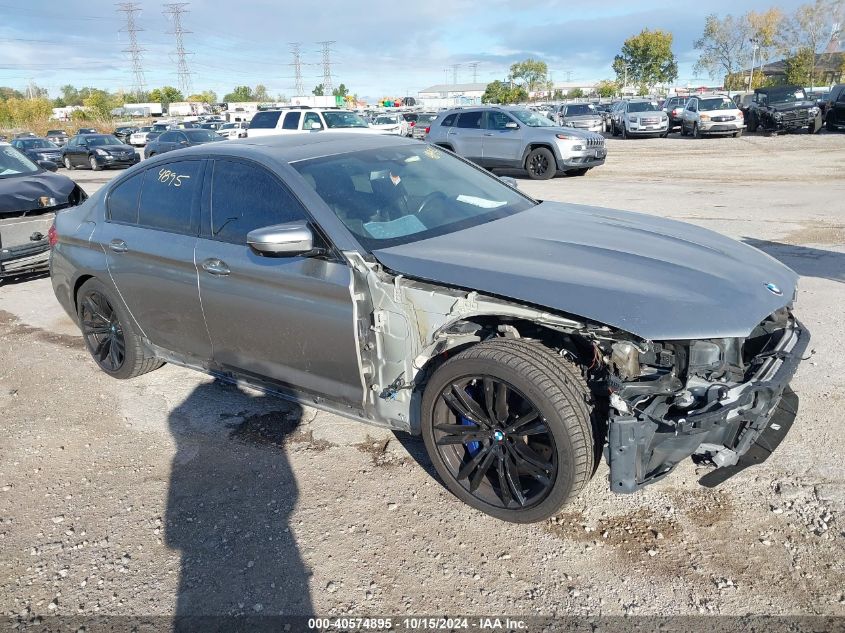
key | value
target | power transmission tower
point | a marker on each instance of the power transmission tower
(474, 67)
(174, 11)
(454, 68)
(296, 51)
(130, 9)
(328, 87)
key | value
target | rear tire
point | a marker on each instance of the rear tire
(492, 466)
(540, 164)
(109, 336)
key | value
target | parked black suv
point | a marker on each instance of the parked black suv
(834, 110)
(782, 109)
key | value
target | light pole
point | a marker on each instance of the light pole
(753, 59)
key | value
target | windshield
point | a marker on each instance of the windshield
(426, 118)
(105, 139)
(786, 95)
(396, 195)
(580, 109)
(13, 163)
(161, 127)
(146, 128)
(385, 120)
(532, 119)
(38, 143)
(56, 133)
(343, 119)
(201, 136)
(642, 106)
(716, 104)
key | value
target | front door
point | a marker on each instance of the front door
(149, 238)
(287, 318)
(502, 145)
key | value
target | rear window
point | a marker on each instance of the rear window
(265, 120)
(470, 120)
(168, 196)
(123, 200)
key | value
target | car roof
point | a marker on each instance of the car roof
(294, 147)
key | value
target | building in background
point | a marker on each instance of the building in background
(448, 95)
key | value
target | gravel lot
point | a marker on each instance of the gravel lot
(174, 494)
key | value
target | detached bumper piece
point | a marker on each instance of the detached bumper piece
(30, 257)
(645, 446)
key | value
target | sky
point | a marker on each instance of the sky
(382, 47)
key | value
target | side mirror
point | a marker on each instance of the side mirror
(293, 238)
(510, 182)
(183, 142)
(511, 125)
(315, 125)
(48, 165)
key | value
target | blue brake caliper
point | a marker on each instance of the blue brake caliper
(474, 446)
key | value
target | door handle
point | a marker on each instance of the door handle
(118, 246)
(488, 134)
(215, 267)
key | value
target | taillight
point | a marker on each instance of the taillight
(427, 130)
(413, 123)
(52, 236)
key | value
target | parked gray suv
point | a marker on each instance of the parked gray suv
(517, 138)
(392, 282)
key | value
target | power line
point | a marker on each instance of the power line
(454, 68)
(296, 51)
(474, 67)
(328, 86)
(175, 11)
(139, 85)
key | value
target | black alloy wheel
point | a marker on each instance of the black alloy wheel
(495, 442)
(540, 164)
(508, 427)
(102, 331)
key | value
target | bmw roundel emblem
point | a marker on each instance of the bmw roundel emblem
(774, 289)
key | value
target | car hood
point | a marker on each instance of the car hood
(21, 193)
(792, 105)
(113, 148)
(656, 278)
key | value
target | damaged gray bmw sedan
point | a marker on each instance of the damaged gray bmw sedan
(395, 283)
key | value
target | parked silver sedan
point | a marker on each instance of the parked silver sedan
(395, 283)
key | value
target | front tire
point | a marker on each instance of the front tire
(507, 425)
(108, 333)
(93, 163)
(540, 164)
(68, 164)
(696, 131)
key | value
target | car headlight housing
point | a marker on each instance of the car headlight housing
(705, 117)
(778, 116)
(813, 112)
(101, 152)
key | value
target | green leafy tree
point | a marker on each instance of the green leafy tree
(575, 93)
(166, 95)
(607, 88)
(239, 94)
(9, 93)
(809, 29)
(341, 91)
(260, 93)
(501, 92)
(531, 73)
(725, 46)
(647, 59)
(558, 95)
(207, 96)
(319, 90)
(800, 67)
(100, 103)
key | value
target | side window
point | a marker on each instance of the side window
(265, 120)
(72, 142)
(181, 137)
(311, 117)
(470, 119)
(246, 197)
(168, 196)
(123, 200)
(449, 121)
(167, 137)
(292, 121)
(497, 120)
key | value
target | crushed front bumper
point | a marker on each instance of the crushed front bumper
(644, 447)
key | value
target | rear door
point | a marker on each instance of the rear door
(467, 135)
(287, 318)
(838, 108)
(290, 124)
(149, 238)
(75, 153)
(502, 146)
